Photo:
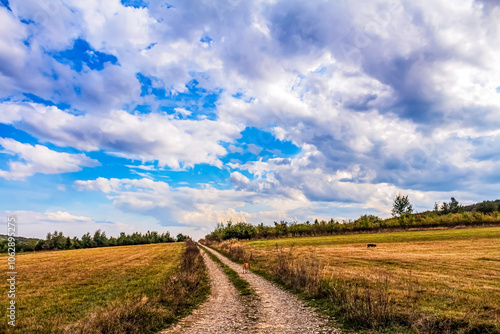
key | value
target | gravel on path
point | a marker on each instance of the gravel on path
(223, 312)
(280, 312)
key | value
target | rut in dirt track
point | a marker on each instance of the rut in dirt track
(223, 312)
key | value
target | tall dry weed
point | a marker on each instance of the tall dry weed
(365, 303)
(234, 249)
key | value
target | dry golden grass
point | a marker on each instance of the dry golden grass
(443, 274)
(58, 288)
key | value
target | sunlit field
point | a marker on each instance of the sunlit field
(442, 274)
(57, 288)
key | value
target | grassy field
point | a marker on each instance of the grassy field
(436, 280)
(59, 288)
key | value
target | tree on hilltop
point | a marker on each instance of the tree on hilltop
(401, 206)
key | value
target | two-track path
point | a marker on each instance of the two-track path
(275, 310)
(223, 312)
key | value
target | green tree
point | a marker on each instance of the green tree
(30, 245)
(122, 239)
(40, 245)
(436, 207)
(445, 208)
(4, 244)
(367, 221)
(56, 240)
(181, 237)
(87, 241)
(401, 206)
(76, 243)
(486, 207)
(100, 239)
(49, 242)
(454, 205)
(112, 241)
(165, 237)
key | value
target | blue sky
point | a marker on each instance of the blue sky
(145, 115)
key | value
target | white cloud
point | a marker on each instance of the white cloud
(40, 159)
(181, 205)
(234, 149)
(289, 199)
(307, 178)
(146, 137)
(252, 148)
(238, 179)
(201, 208)
(183, 112)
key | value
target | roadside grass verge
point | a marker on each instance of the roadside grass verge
(413, 282)
(128, 289)
(240, 284)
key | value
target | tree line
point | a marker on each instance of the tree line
(58, 241)
(445, 214)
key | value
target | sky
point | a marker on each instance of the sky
(139, 115)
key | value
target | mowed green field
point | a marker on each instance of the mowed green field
(452, 274)
(58, 288)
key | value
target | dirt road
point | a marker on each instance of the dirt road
(274, 311)
(223, 312)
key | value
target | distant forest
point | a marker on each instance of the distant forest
(446, 214)
(57, 241)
